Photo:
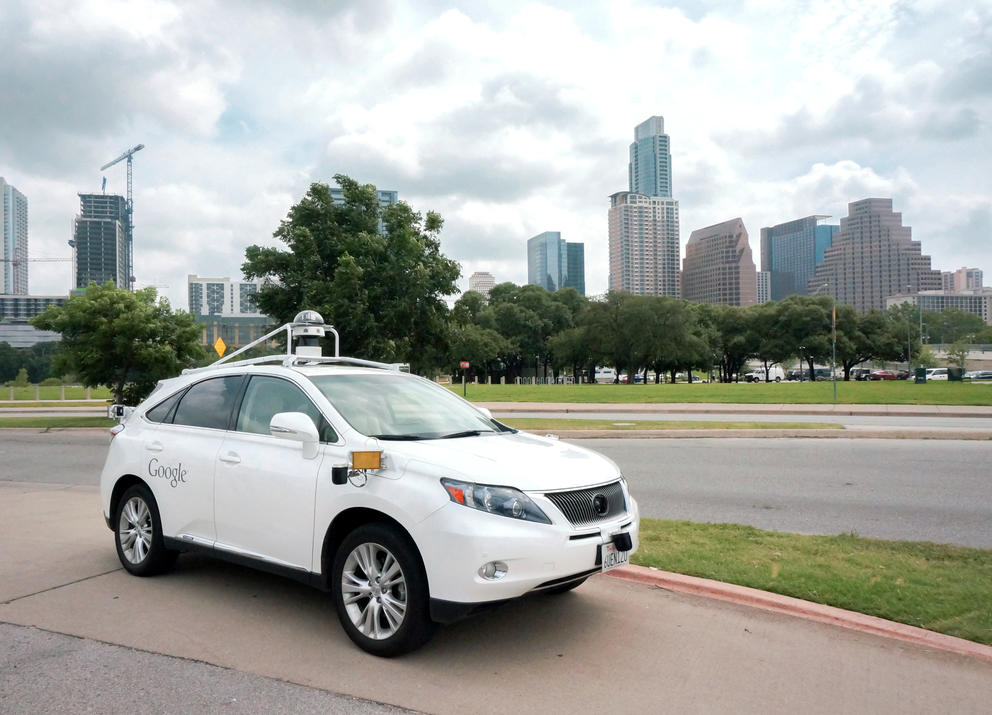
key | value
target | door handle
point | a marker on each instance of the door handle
(231, 458)
(154, 446)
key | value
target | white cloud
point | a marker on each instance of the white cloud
(509, 120)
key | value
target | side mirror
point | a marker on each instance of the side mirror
(486, 411)
(297, 427)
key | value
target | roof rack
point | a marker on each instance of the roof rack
(308, 327)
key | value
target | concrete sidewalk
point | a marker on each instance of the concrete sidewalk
(610, 645)
(745, 409)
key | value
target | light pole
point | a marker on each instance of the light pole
(801, 366)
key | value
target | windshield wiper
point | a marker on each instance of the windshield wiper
(397, 437)
(467, 433)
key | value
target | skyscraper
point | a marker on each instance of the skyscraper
(791, 251)
(575, 266)
(481, 282)
(644, 244)
(99, 245)
(873, 257)
(718, 267)
(650, 168)
(554, 263)
(13, 240)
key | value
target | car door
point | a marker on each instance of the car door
(180, 455)
(264, 491)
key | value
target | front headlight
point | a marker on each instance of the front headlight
(503, 501)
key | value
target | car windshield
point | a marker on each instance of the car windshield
(401, 407)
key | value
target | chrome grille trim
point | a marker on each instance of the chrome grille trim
(576, 505)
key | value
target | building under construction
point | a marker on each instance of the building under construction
(100, 237)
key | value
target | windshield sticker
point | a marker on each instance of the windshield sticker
(173, 475)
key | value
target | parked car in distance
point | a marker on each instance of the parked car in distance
(605, 375)
(902, 374)
(860, 373)
(937, 373)
(775, 374)
(883, 375)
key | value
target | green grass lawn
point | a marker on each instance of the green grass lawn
(895, 392)
(44, 422)
(536, 423)
(72, 392)
(947, 589)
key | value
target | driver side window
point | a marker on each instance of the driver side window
(267, 396)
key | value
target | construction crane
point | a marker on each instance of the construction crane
(130, 210)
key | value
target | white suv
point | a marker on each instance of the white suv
(412, 506)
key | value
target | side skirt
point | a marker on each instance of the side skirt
(298, 575)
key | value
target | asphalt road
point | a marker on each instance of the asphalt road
(926, 422)
(937, 491)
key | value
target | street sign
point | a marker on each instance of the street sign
(221, 347)
(463, 364)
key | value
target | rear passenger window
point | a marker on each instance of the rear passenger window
(267, 396)
(161, 411)
(209, 403)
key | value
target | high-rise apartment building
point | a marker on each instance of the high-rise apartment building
(963, 279)
(644, 244)
(718, 266)
(791, 251)
(650, 169)
(13, 240)
(481, 282)
(99, 242)
(554, 263)
(873, 257)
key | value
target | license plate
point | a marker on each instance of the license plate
(612, 558)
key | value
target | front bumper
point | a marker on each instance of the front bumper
(456, 541)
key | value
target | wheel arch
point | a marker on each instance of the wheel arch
(346, 522)
(120, 486)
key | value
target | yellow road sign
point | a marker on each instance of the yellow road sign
(221, 347)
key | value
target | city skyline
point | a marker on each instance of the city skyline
(235, 135)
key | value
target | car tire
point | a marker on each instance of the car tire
(564, 588)
(380, 591)
(138, 534)
(778, 379)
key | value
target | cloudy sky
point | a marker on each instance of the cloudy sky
(508, 120)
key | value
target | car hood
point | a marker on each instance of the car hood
(519, 460)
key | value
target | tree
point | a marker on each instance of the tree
(383, 291)
(957, 353)
(125, 341)
(951, 325)
(863, 337)
(21, 380)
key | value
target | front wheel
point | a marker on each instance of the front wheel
(380, 591)
(138, 533)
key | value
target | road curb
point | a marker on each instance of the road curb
(703, 408)
(799, 608)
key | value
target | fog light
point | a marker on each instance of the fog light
(493, 571)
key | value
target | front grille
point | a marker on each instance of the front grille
(578, 506)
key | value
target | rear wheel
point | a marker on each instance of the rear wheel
(138, 532)
(380, 591)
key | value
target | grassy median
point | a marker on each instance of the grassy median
(537, 423)
(45, 422)
(891, 392)
(942, 588)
